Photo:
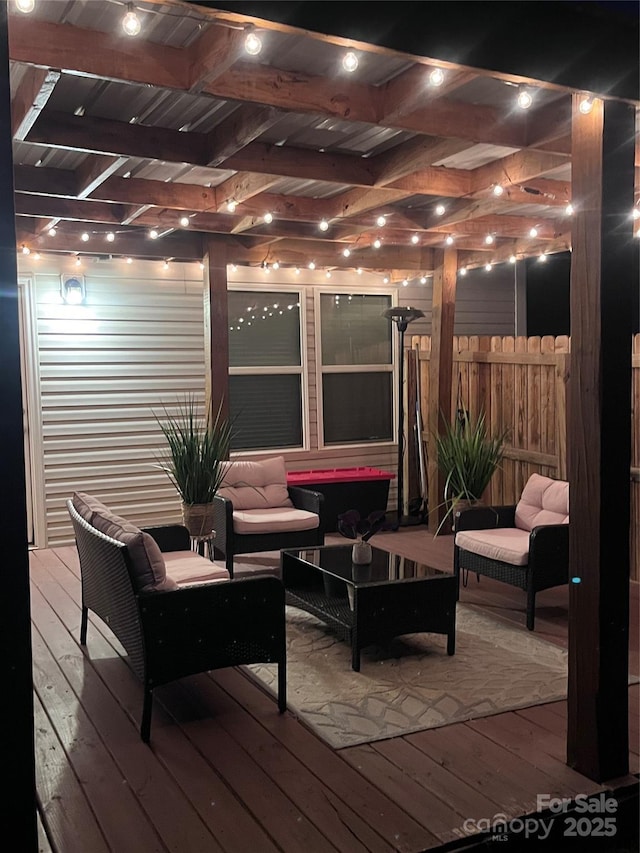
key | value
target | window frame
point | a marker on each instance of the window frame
(270, 370)
(321, 369)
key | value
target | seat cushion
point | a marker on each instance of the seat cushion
(543, 501)
(256, 485)
(147, 562)
(505, 544)
(187, 567)
(274, 520)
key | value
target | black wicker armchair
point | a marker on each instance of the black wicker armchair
(505, 542)
(180, 632)
(255, 510)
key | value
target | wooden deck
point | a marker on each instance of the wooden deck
(226, 772)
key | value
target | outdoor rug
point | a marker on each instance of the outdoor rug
(412, 684)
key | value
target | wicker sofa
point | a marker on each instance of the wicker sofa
(525, 545)
(176, 613)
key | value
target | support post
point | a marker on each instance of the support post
(19, 799)
(440, 371)
(216, 323)
(603, 273)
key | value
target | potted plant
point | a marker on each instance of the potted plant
(353, 526)
(197, 446)
(468, 456)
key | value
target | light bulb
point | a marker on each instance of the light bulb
(52, 232)
(405, 282)
(110, 237)
(586, 105)
(385, 280)
(381, 221)
(350, 62)
(324, 225)
(512, 259)
(84, 237)
(635, 213)
(328, 273)
(231, 205)
(569, 209)
(78, 261)
(276, 265)
(346, 253)
(377, 244)
(359, 270)
(297, 270)
(184, 221)
(25, 6)
(26, 250)
(488, 267)
(268, 217)
(525, 99)
(165, 265)
(542, 257)
(253, 44)
(415, 239)
(129, 260)
(488, 239)
(436, 78)
(463, 270)
(533, 232)
(153, 234)
(440, 209)
(131, 22)
(423, 279)
(449, 240)
(498, 190)
(312, 265)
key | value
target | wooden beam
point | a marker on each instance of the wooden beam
(603, 274)
(35, 89)
(516, 169)
(417, 153)
(93, 171)
(440, 371)
(216, 318)
(404, 93)
(210, 55)
(245, 124)
(19, 800)
(241, 188)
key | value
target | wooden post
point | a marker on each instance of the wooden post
(440, 370)
(19, 806)
(599, 437)
(216, 324)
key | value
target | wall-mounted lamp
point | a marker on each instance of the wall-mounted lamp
(72, 289)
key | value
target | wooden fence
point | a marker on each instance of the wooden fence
(521, 385)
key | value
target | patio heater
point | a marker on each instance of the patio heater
(402, 317)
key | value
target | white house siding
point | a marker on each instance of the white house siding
(137, 343)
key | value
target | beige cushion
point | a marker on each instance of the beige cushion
(506, 544)
(543, 501)
(148, 566)
(187, 567)
(274, 520)
(256, 485)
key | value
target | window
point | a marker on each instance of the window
(265, 367)
(357, 368)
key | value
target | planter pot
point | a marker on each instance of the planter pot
(198, 519)
(361, 553)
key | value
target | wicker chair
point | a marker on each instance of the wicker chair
(525, 545)
(183, 631)
(255, 510)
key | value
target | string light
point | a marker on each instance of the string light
(440, 210)
(153, 234)
(415, 239)
(533, 232)
(423, 279)
(463, 270)
(268, 217)
(569, 209)
(346, 252)
(231, 205)
(405, 282)
(253, 43)
(131, 22)
(184, 221)
(512, 259)
(78, 261)
(498, 189)
(489, 239)
(311, 265)
(25, 6)
(110, 237)
(542, 257)
(381, 221)
(586, 105)
(449, 240)
(635, 213)
(52, 232)
(26, 250)
(324, 225)
(525, 98)
(377, 243)
(436, 78)
(488, 267)
(350, 62)
(84, 237)
(165, 265)
(129, 260)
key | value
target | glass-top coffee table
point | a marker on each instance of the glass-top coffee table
(373, 603)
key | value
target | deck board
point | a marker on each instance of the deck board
(226, 772)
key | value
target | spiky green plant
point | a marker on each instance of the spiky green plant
(468, 457)
(197, 446)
